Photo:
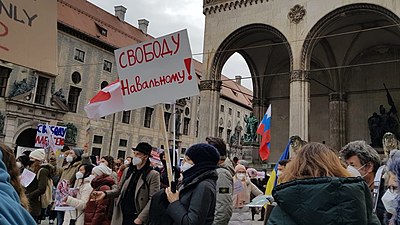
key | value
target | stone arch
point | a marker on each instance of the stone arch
(333, 50)
(225, 50)
(23, 127)
(312, 36)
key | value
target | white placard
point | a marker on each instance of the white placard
(156, 71)
(27, 177)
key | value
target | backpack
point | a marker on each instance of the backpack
(47, 198)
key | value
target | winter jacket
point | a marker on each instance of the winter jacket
(223, 208)
(11, 211)
(79, 203)
(99, 212)
(197, 200)
(323, 200)
(37, 188)
(143, 191)
(68, 171)
(243, 215)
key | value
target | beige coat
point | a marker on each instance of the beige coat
(79, 203)
(142, 193)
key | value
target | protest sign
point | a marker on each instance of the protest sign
(27, 177)
(155, 71)
(260, 201)
(43, 137)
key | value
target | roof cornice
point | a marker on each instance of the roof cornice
(215, 6)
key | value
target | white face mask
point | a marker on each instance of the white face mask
(186, 166)
(69, 159)
(279, 173)
(103, 164)
(19, 164)
(389, 201)
(241, 176)
(136, 161)
(79, 175)
(126, 162)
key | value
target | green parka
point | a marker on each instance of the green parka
(323, 200)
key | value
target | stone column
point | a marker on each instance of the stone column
(209, 108)
(299, 103)
(337, 120)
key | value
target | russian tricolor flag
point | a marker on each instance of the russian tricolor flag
(264, 129)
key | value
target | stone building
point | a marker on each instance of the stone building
(321, 64)
(86, 39)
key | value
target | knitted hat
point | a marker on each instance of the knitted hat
(252, 172)
(38, 154)
(202, 153)
(240, 167)
(101, 169)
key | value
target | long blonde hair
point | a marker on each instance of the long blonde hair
(314, 160)
(13, 171)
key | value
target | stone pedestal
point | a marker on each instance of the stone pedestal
(251, 155)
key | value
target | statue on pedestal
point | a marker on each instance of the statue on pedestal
(251, 128)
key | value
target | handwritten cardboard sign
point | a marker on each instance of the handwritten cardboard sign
(155, 71)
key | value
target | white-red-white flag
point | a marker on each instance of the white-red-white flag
(106, 102)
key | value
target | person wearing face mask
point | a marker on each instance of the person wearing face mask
(138, 184)
(122, 168)
(316, 189)
(73, 159)
(362, 160)
(100, 212)
(82, 183)
(38, 186)
(390, 197)
(195, 201)
(109, 162)
(244, 188)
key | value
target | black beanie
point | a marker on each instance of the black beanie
(199, 153)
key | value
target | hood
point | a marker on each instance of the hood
(102, 180)
(228, 165)
(325, 200)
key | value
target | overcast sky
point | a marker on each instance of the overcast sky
(167, 16)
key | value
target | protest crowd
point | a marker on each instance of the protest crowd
(315, 185)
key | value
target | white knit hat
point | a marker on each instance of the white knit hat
(38, 154)
(101, 169)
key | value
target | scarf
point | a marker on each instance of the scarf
(196, 170)
(243, 197)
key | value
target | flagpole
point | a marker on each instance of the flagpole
(112, 134)
(174, 137)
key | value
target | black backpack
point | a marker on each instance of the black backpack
(158, 209)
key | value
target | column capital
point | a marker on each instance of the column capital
(299, 75)
(260, 102)
(337, 96)
(212, 85)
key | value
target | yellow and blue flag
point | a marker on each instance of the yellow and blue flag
(273, 179)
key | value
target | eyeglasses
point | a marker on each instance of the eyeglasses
(393, 189)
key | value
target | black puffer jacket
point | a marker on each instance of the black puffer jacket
(323, 200)
(196, 204)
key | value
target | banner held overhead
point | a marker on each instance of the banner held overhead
(156, 71)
